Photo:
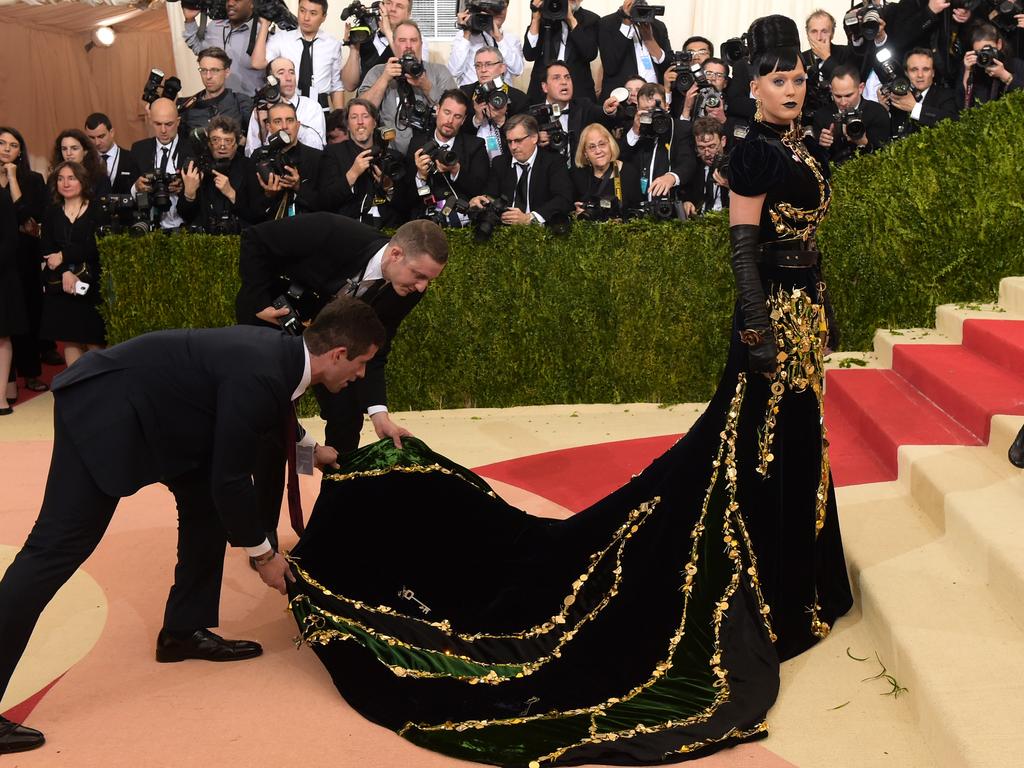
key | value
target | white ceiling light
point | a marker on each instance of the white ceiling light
(104, 36)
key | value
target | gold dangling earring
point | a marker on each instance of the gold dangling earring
(758, 114)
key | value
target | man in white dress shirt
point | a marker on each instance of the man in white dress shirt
(467, 43)
(311, 117)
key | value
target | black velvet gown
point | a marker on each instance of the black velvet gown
(646, 629)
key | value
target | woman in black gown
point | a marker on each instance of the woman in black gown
(605, 186)
(649, 627)
(72, 261)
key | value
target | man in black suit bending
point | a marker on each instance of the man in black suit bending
(536, 184)
(187, 409)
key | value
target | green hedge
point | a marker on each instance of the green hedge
(640, 311)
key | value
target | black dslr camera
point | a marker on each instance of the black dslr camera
(891, 76)
(864, 20)
(156, 87)
(687, 74)
(366, 21)
(655, 123)
(853, 120)
(721, 163)
(120, 214)
(492, 93)
(276, 12)
(548, 119)
(599, 210)
(411, 66)
(555, 10)
(268, 95)
(481, 15)
(270, 157)
(659, 209)
(487, 218)
(439, 154)
(413, 113)
(159, 189)
(388, 162)
(303, 304)
(203, 158)
(988, 56)
(214, 9)
(642, 13)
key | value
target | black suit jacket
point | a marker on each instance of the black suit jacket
(695, 189)
(938, 104)
(337, 196)
(250, 202)
(618, 53)
(584, 190)
(876, 120)
(474, 167)
(551, 190)
(580, 50)
(125, 174)
(678, 157)
(517, 103)
(167, 403)
(320, 251)
(308, 162)
(144, 154)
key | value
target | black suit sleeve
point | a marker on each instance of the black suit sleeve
(474, 167)
(683, 157)
(391, 309)
(307, 199)
(878, 124)
(559, 185)
(631, 195)
(32, 203)
(335, 191)
(939, 104)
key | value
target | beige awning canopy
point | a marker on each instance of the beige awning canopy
(84, 17)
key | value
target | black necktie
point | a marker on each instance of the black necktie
(553, 44)
(106, 156)
(371, 293)
(306, 67)
(709, 191)
(522, 187)
(164, 159)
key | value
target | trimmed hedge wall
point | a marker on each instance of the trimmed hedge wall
(640, 311)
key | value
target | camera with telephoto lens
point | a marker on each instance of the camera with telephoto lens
(222, 224)
(548, 117)
(655, 123)
(721, 163)
(492, 93)
(658, 209)
(214, 9)
(270, 159)
(687, 75)
(276, 12)
(411, 66)
(268, 95)
(598, 210)
(438, 154)
(1007, 8)
(893, 81)
(293, 296)
(156, 87)
(487, 218)
(481, 15)
(412, 112)
(388, 161)
(853, 120)
(864, 20)
(159, 189)
(987, 56)
(124, 214)
(365, 24)
(708, 98)
(555, 10)
(642, 13)
(203, 158)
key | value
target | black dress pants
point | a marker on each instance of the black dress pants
(74, 516)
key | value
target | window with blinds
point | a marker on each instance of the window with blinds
(436, 18)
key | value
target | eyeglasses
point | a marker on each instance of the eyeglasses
(210, 70)
(596, 146)
(225, 141)
(513, 142)
(715, 75)
(700, 52)
(485, 64)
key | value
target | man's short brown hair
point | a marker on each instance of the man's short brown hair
(345, 322)
(707, 126)
(214, 52)
(422, 237)
(528, 122)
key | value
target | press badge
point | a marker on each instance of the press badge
(493, 145)
(304, 459)
(645, 60)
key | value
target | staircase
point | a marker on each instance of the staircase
(934, 527)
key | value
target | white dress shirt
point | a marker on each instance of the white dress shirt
(533, 39)
(462, 59)
(312, 126)
(170, 219)
(111, 159)
(632, 138)
(644, 60)
(327, 58)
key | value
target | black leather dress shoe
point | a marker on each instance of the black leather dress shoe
(204, 644)
(18, 738)
(1017, 450)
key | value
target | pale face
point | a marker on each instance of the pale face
(715, 73)
(921, 72)
(339, 371)
(558, 85)
(311, 17)
(71, 149)
(68, 185)
(488, 66)
(521, 143)
(597, 150)
(213, 73)
(397, 10)
(409, 274)
(634, 86)
(709, 147)
(361, 125)
(164, 118)
(450, 117)
(223, 144)
(700, 51)
(407, 40)
(781, 94)
(283, 119)
(284, 71)
(10, 148)
(102, 137)
(820, 29)
(846, 93)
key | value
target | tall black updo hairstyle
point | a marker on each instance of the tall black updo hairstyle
(774, 43)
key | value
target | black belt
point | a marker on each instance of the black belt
(790, 253)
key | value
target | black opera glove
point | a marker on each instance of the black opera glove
(757, 330)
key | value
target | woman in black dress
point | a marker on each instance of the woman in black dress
(71, 279)
(13, 317)
(26, 190)
(649, 627)
(73, 146)
(605, 185)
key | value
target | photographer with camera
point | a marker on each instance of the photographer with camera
(215, 98)
(988, 72)
(449, 163)
(940, 26)
(312, 126)
(696, 50)
(219, 195)
(121, 167)
(532, 187)
(383, 16)
(563, 116)
(706, 97)
(406, 89)
(481, 24)
(633, 42)
(604, 185)
(922, 104)
(289, 173)
(236, 35)
(493, 100)
(708, 190)
(560, 30)
(356, 175)
(318, 54)
(159, 159)
(660, 146)
(821, 59)
(854, 125)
